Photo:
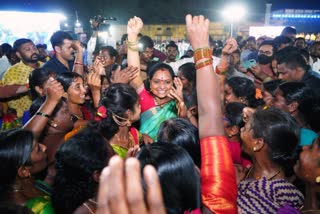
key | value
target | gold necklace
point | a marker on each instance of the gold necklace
(257, 178)
(128, 144)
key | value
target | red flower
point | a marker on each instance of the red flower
(101, 113)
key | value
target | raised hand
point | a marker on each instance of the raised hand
(94, 81)
(120, 189)
(125, 75)
(198, 31)
(76, 44)
(98, 66)
(134, 26)
(230, 46)
(176, 93)
(54, 90)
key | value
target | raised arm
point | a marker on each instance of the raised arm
(133, 29)
(78, 61)
(39, 121)
(218, 183)
(208, 90)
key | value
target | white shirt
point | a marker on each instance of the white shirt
(175, 65)
(4, 65)
(316, 66)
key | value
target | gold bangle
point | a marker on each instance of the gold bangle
(202, 64)
(202, 53)
(132, 43)
(133, 48)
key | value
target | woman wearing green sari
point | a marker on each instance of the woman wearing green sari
(162, 100)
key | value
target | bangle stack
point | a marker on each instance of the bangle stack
(202, 57)
(133, 45)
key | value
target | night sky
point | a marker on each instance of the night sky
(152, 11)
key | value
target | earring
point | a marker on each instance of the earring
(128, 123)
(318, 179)
(255, 149)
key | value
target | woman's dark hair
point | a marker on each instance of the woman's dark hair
(182, 133)
(188, 70)
(281, 133)
(160, 66)
(117, 99)
(37, 78)
(156, 67)
(113, 68)
(308, 101)
(233, 112)
(112, 52)
(244, 87)
(15, 151)
(67, 78)
(10, 208)
(180, 183)
(76, 161)
(271, 86)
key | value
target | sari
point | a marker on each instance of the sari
(153, 117)
(122, 151)
(41, 204)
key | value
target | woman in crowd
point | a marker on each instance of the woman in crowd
(308, 169)
(233, 122)
(214, 147)
(119, 109)
(38, 82)
(21, 158)
(51, 118)
(73, 85)
(79, 162)
(270, 137)
(170, 159)
(163, 101)
(301, 102)
(108, 56)
(268, 91)
(242, 90)
(187, 75)
(181, 132)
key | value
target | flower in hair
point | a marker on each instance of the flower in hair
(101, 113)
(258, 94)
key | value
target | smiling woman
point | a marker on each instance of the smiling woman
(73, 85)
(164, 99)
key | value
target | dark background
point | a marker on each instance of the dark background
(151, 11)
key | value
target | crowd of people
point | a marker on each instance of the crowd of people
(133, 129)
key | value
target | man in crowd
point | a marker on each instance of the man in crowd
(294, 67)
(19, 73)
(172, 52)
(289, 32)
(63, 59)
(315, 57)
(300, 43)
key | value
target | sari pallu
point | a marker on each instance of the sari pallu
(152, 118)
(121, 151)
